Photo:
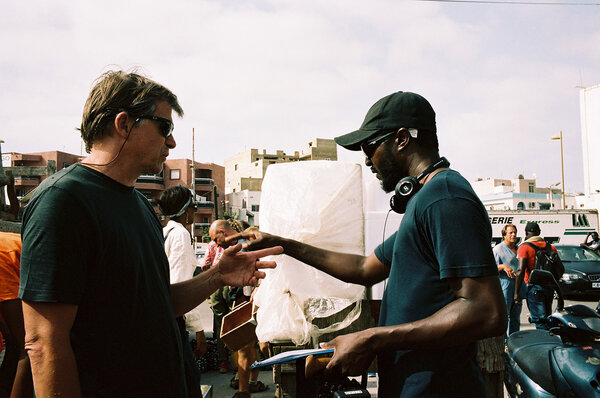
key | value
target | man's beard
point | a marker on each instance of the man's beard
(390, 174)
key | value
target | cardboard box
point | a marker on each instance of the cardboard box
(239, 326)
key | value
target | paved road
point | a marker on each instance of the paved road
(525, 313)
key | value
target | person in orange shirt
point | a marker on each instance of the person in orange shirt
(539, 298)
(12, 313)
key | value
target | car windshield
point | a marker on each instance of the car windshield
(576, 253)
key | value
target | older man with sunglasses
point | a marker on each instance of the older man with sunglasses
(98, 306)
(443, 292)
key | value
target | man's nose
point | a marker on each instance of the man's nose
(170, 142)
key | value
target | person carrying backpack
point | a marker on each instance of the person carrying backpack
(534, 253)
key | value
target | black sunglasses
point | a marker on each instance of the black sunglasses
(166, 126)
(369, 147)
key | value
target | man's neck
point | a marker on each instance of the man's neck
(113, 168)
(511, 245)
(533, 238)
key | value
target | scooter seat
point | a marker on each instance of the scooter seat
(530, 349)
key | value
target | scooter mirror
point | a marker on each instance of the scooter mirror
(546, 279)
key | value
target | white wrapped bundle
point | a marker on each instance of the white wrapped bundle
(319, 203)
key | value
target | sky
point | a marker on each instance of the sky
(503, 78)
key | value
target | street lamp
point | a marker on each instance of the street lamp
(562, 166)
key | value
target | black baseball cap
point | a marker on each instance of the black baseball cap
(532, 227)
(401, 109)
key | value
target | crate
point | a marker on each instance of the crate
(238, 328)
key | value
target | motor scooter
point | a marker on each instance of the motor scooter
(563, 361)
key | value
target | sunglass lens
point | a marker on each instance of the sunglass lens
(166, 128)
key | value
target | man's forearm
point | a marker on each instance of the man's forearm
(54, 370)
(460, 322)
(187, 295)
(344, 266)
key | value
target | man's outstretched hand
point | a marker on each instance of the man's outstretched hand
(254, 240)
(237, 268)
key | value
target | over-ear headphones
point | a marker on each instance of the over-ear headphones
(409, 186)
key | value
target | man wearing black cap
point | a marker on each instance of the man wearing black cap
(539, 298)
(443, 291)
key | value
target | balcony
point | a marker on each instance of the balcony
(205, 205)
(204, 182)
(21, 181)
(150, 179)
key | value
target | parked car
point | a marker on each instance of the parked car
(582, 270)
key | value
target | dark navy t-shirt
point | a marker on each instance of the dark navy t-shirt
(445, 233)
(90, 241)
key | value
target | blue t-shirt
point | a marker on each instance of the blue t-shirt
(445, 233)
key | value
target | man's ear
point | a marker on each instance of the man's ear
(402, 139)
(123, 124)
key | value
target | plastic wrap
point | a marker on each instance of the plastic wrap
(319, 203)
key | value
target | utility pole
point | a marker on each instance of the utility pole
(193, 167)
(562, 166)
(2, 200)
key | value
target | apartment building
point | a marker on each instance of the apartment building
(244, 173)
(520, 193)
(30, 169)
(246, 170)
(208, 180)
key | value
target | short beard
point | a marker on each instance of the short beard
(390, 175)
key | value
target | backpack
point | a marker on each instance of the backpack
(547, 260)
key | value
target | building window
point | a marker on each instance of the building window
(175, 174)
(521, 206)
(532, 205)
(205, 220)
(235, 167)
(531, 187)
(255, 207)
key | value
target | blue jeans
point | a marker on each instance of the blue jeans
(513, 310)
(539, 302)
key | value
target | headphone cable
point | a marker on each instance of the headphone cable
(116, 156)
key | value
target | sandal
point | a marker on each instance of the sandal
(258, 386)
(234, 382)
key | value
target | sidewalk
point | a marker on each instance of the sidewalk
(221, 388)
(220, 382)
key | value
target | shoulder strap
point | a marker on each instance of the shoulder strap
(168, 232)
(534, 247)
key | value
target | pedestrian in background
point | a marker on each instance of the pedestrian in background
(178, 207)
(539, 298)
(15, 372)
(594, 244)
(505, 254)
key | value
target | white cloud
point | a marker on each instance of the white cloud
(275, 74)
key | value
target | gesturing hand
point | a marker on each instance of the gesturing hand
(237, 268)
(254, 240)
(509, 271)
